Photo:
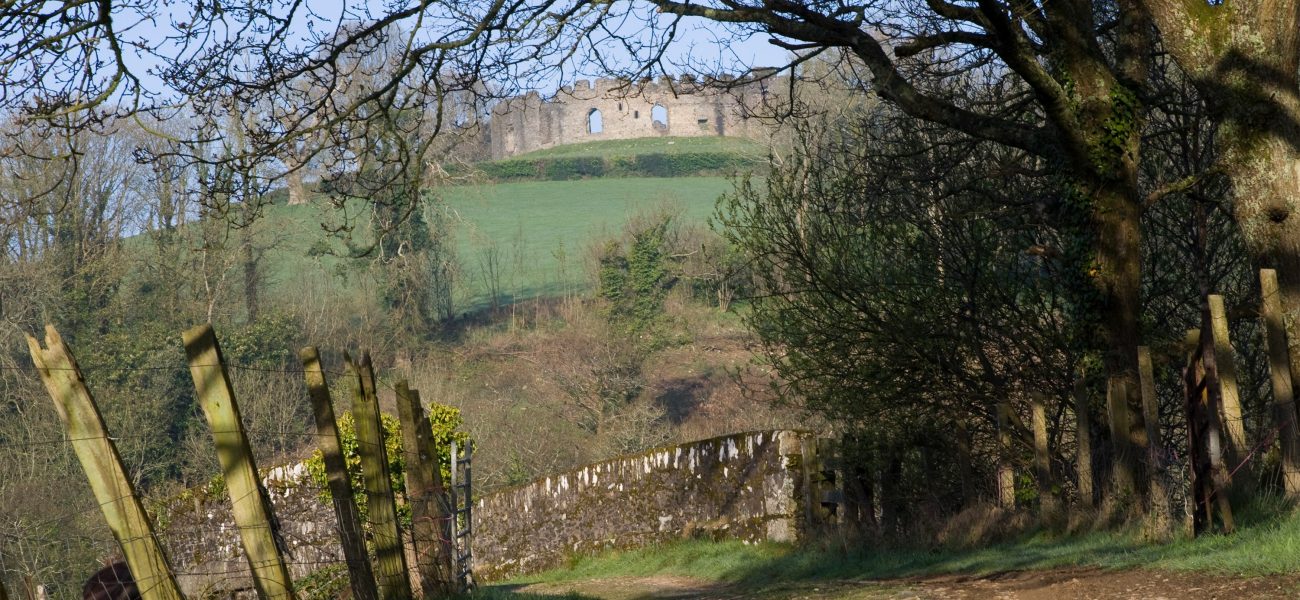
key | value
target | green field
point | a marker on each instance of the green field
(542, 231)
(654, 145)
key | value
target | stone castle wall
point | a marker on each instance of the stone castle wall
(685, 108)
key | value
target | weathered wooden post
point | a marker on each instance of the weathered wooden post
(1006, 475)
(351, 535)
(424, 492)
(1230, 395)
(1083, 441)
(103, 466)
(394, 583)
(1284, 408)
(964, 468)
(1159, 495)
(1117, 406)
(252, 508)
(1219, 478)
(1048, 506)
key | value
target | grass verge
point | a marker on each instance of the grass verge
(1270, 545)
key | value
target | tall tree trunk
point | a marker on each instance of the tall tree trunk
(1266, 205)
(1118, 279)
(1244, 59)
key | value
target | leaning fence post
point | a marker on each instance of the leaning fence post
(252, 508)
(345, 505)
(391, 558)
(103, 466)
(1279, 365)
(424, 492)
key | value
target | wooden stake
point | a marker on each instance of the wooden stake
(1047, 503)
(1279, 366)
(1220, 480)
(424, 492)
(394, 583)
(252, 508)
(964, 469)
(351, 535)
(1006, 475)
(1083, 441)
(103, 466)
(1117, 405)
(1230, 401)
(1151, 415)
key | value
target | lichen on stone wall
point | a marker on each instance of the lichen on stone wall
(745, 486)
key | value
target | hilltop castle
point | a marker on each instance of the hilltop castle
(612, 109)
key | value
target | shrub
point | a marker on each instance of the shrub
(444, 420)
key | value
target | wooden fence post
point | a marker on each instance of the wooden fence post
(252, 508)
(1220, 477)
(1117, 406)
(103, 466)
(1279, 366)
(424, 492)
(1047, 503)
(1230, 400)
(1083, 441)
(351, 535)
(394, 581)
(1151, 414)
(964, 469)
(1006, 475)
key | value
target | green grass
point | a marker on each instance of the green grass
(1268, 546)
(542, 231)
(651, 145)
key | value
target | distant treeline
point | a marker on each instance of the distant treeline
(685, 164)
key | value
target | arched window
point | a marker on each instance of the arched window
(659, 116)
(595, 124)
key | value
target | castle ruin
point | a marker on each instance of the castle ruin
(613, 109)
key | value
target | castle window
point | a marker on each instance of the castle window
(620, 106)
(595, 124)
(636, 114)
(659, 116)
(703, 123)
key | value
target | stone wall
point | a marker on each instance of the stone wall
(198, 530)
(747, 486)
(687, 108)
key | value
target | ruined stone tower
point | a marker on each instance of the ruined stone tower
(609, 109)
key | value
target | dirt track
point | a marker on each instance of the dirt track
(1059, 584)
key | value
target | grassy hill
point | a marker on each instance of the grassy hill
(539, 230)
